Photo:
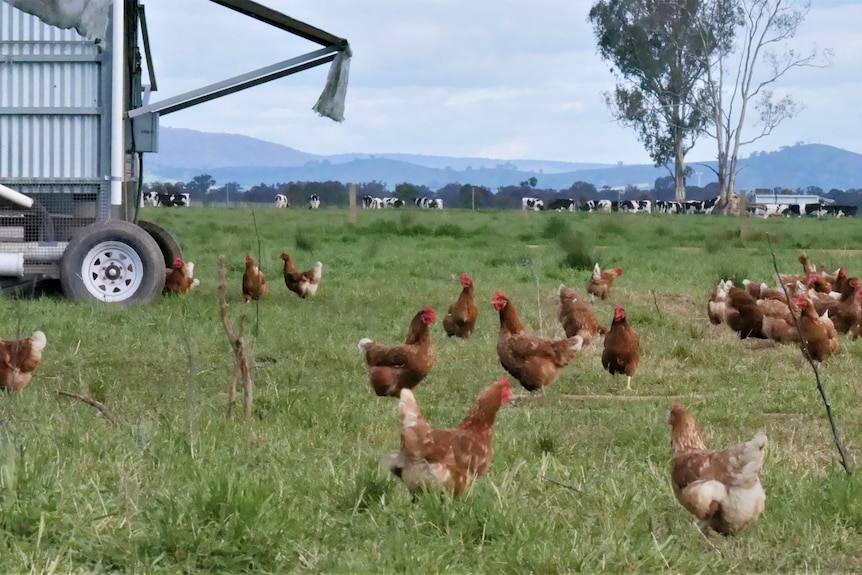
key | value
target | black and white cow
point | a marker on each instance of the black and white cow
(534, 204)
(431, 203)
(180, 200)
(709, 205)
(597, 206)
(839, 210)
(151, 199)
(392, 203)
(371, 203)
(668, 207)
(811, 209)
(796, 209)
(563, 205)
(775, 210)
(313, 202)
(635, 206)
(281, 201)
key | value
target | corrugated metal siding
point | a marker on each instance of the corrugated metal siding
(49, 102)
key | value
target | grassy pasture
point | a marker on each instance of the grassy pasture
(178, 488)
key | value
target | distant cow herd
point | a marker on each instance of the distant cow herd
(688, 207)
(281, 201)
(182, 200)
(561, 205)
(816, 210)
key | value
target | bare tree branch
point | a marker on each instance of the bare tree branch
(237, 344)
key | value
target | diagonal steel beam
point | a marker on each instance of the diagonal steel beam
(237, 83)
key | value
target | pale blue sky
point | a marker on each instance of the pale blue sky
(493, 78)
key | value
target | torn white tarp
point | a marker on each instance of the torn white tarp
(88, 17)
(331, 101)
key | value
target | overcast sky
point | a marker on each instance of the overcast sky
(492, 78)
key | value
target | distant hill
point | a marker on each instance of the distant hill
(180, 148)
(185, 154)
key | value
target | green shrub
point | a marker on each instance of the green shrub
(577, 253)
(304, 240)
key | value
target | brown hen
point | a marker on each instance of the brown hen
(721, 487)
(18, 359)
(460, 320)
(446, 459)
(391, 369)
(621, 353)
(601, 282)
(253, 281)
(305, 283)
(576, 315)
(534, 361)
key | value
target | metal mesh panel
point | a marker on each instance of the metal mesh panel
(51, 125)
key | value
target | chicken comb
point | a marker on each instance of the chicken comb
(498, 294)
(178, 262)
(464, 276)
(676, 405)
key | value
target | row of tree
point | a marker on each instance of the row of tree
(692, 68)
(203, 190)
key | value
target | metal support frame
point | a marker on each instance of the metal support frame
(237, 83)
(332, 45)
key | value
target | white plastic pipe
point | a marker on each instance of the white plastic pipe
(36, 251)
(15, 197)
(12, 265)
(118, 82)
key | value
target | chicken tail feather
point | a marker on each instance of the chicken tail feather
(750, 459)
(363, 343)
(393, 462)
(408, 410)
(38, 341)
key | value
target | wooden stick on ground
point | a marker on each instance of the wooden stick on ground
(92, 402)
(836, 437)
(237, 344)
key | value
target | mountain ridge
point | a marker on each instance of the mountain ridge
(248, 161)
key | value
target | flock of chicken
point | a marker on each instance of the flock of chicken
(720, 487)
(180, 279)
(451, 459)
(19, 358)
(824, 304)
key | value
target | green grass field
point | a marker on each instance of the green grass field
(180, 488)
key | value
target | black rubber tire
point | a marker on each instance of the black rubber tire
(166, 241)
(130, 241)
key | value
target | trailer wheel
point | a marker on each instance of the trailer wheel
(113, 262)
(166, 241)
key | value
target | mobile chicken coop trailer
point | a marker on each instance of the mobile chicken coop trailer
(75, 121)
